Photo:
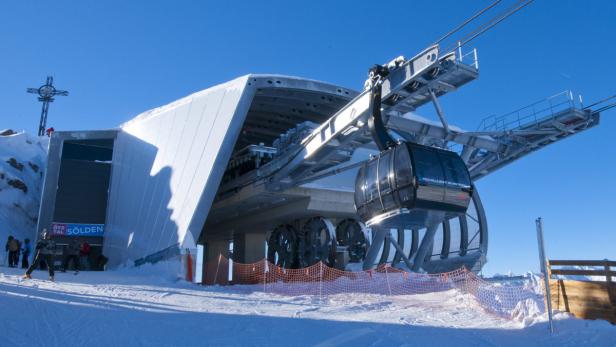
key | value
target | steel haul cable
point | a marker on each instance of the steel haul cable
(481, 29)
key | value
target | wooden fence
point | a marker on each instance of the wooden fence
(584, 298)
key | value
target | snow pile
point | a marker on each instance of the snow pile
(528, 311)
(534, 282)
(168, 271)
(530, 281)
(22, 161)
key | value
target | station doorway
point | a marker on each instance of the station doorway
(81, 199)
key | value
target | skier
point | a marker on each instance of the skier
(25, 254)
(71, 253)
(45, 248)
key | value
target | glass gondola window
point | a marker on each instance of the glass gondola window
(384, 172)
(429, 173)
(372, 191)
(455, 171)
(457, 180)
(403, 174)
(428, 166)
(360, 190)
(385, 186)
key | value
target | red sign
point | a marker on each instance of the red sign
(58, 229)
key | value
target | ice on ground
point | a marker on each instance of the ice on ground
(137, 307)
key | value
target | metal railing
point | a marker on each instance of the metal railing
(468, 55)
(531, 114)
(169, 252)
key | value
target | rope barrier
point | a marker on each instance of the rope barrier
(319, 280)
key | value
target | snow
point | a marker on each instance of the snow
(150, 305)
(19, 209)
(527, 312)
(141, 307)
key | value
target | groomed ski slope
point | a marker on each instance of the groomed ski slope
(142, 308)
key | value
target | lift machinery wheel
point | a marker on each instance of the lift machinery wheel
(317, 242)
(282, 247)
(354, 236)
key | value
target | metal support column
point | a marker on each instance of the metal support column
(424, 248)
(544, 270)
(439, 111)
(399, 250)
(375, 246)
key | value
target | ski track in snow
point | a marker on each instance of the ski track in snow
(132, 308)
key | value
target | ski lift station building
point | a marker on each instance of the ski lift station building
(152, 182)
(225, 165)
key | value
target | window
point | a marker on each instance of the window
(427, 166)
(402, 167)
(371, 181)
(384, 161)
(360, 187)
(455, 170)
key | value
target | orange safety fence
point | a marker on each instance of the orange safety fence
(320, 280)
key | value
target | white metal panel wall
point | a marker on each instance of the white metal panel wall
(167, 165)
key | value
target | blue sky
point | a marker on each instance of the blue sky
(119, 58)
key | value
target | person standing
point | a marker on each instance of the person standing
(45, 249)
(18, 253)
(12, 247)
(71, 253)
(25, 254)
(84, 254)
(6, 248)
